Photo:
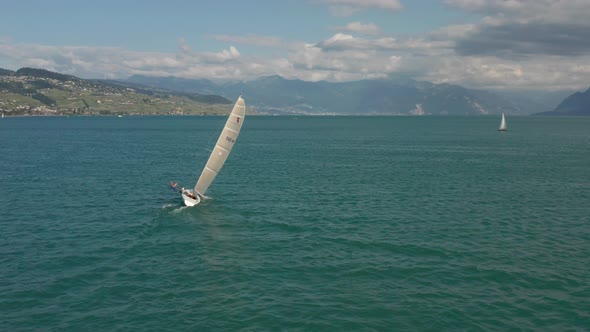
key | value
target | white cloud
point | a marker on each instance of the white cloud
(354, 58)
(314, 63)
(542, 73)
(515, 45)
(419, 46)
(188, 55)
(348, 7)
(452, 32)
(99, 62)
(358, 27)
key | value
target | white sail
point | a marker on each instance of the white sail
(223, 147)
(502, 123)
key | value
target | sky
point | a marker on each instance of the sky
(539, 45)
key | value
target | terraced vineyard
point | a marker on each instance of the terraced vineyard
(39, 92)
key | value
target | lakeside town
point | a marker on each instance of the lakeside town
(30, 91)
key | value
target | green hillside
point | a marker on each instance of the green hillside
(30, 91)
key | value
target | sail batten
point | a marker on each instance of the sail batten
(223, 147)
(237, 132)
(210, 170)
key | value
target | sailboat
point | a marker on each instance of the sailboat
(502, 123)
(222, 148)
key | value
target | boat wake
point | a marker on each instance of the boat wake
(173, 208)
(180, 209)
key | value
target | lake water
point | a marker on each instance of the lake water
(314, 223)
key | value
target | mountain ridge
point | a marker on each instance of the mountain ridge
(576, 104)
(33, 91)
(391, 96)
(31, 88)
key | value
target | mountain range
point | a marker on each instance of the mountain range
(576, 104)
(39, 91)
(277, 95)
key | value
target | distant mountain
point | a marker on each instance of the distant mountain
(173, 83)
(201, 98)
(31, 91)
(6, 72)
(576, 104)
(42, 73)
(535, 101)
(275, 94)
(28, 88)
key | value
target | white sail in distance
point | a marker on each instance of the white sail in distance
(502, 123)
(223, 147)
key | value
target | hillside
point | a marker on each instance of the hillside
(577, 104)
(38, 91)
(6, 72)
(275, 94)
(30, 91)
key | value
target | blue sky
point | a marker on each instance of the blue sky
(498, 44)
(157, 25)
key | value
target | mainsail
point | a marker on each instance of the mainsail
(502, 123)
(223, 147)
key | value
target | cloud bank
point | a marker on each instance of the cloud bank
(358, 27)
(527, 44)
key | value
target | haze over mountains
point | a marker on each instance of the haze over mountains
(576, 104)
(38, 89)
(274, 94)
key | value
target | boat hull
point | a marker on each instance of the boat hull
(189, 201)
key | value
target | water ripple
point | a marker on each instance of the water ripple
(337, 223)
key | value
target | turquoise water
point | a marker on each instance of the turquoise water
(315, 223)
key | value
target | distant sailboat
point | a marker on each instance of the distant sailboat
(502, 123)
(222, 148)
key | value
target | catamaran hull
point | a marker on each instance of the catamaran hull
(188, 201)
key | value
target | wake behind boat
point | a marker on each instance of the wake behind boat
(220, 152)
